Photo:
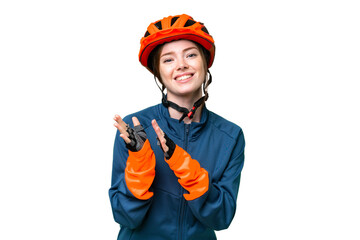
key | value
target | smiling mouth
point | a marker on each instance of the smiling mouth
(184, 77)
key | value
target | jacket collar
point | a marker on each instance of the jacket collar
(172, 127)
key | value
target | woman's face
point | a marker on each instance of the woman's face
(181, 68)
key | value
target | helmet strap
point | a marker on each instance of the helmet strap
(186, 112)
(206, 85)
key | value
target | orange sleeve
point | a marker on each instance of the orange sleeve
(192, 176)
(140, 171)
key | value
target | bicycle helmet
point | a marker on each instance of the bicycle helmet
(175, 28)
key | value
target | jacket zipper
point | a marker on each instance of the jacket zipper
(182, 201)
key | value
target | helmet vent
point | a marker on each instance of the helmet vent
(189, 23)
(205, 30)
(158, 25)
(173, 20)
(146, 34)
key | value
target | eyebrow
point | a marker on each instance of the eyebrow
(186, 49)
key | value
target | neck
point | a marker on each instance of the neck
(186, 102)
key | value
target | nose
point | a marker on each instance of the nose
(182, 64)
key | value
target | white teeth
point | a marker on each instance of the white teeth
(183, 77)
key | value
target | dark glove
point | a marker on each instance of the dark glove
(137, 135)
(170, 144)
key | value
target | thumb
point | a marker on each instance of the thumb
(135, 121)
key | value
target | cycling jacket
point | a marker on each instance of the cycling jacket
(168, 208)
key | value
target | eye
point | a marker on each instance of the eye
(167, 60)
(192, 55)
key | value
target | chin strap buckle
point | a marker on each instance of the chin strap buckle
(186, 113)
(191, 113)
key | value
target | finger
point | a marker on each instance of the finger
(117, 118)
(158, 131)
(120, 121)
(160, 134)
(163, 145)
(135, 121)
(121, 129)
(126, 139)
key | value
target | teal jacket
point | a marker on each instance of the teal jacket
(217, 144)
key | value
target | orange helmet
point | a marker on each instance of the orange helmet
(175, 28)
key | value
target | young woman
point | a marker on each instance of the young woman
(177, 165)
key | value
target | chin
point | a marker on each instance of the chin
(189, 92)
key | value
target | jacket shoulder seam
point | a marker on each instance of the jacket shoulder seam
(233, 137)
